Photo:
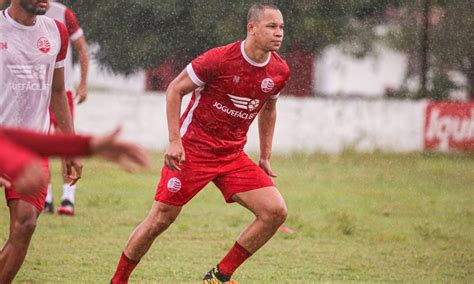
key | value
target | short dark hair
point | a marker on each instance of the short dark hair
(257, 9)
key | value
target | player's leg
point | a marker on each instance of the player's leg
(23, 216)
(48, 202)
(270, 212)
(244, 182)
(174, 190)
(158, 220)
(68, 197)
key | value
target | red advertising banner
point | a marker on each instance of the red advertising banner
(449, 126)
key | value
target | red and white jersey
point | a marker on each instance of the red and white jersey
(66, 16)
(28, 57)
(233, 89)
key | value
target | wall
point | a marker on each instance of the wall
(303, 125)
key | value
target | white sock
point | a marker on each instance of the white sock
(49, 196)
(68, 192)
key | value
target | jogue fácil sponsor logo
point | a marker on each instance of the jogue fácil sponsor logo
(449, 126)
(244, 103)
(234, 113)
(32, 77)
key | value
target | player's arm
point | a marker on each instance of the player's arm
(49, 145)
(266, 128)
(59, 105)
(108, 147)
(80, 45)
(61, 111)
(175, 92)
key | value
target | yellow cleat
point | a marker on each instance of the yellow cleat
(215, 277)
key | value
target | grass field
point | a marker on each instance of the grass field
(358, 217)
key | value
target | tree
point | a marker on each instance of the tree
(450, 43)
(453, 41)
(141, 34)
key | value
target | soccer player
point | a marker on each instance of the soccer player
(77, 39)
(32, 53)
(20, 152)
(231, 85)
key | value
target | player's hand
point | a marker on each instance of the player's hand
(81, 93)
(5, 182)
(265, 165)
(30, 179)
(73, 169)
(128, 156)
(174, 155)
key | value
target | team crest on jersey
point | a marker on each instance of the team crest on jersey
(244, 103)
(267, 85)
(3, 45)
(43, 45)
(174, 184)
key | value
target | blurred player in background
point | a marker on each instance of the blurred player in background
(231, 85)
(77, 40)
(32, 53)
(22, 168)
(21, 152)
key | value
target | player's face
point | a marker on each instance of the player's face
(268, 31)
(35, 7)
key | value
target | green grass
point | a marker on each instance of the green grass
(359, 217)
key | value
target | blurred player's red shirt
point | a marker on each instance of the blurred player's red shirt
(232, 91)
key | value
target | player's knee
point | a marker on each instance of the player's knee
(157, 228)
(275, 215)
(25, 227)
(160, 224)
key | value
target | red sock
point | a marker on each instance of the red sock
(234, 258)
(124, 269)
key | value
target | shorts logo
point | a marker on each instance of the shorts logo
(43, 45)
(244, 103)
(174, 184)
(3, 45)
(267, 85)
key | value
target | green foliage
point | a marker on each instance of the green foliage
(450, 43)
(361, 218)
(141, 34)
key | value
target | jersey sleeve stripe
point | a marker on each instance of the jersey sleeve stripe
(59, 64)
(76, 35)
(193, 75)
(189, 117)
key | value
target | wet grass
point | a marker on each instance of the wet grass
(359, 217)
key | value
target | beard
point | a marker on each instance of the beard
(30, 8)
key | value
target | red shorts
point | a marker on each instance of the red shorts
(70, 102)
(37, 201)
(238, 175)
